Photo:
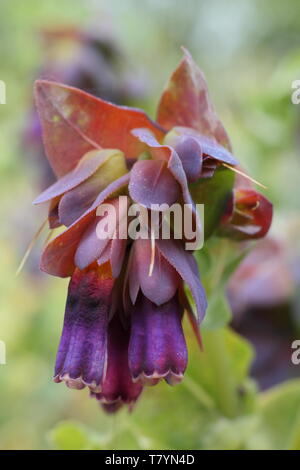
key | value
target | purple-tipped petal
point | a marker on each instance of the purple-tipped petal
(157, 347)
(85, 168)
(75, 202)
(117, 253)
(91, 245)
(209, 145)
(158, 151)
(166, 153)
(185, 264)
(132, 281)
(118, 387)
(105, 255)
(190, 154)
(53, 217)
(81, 356)
(119, 242)
(114, 252)
(110, 190)
(176, 168)
(177, 171)
(159, 283)
(58, 256)
(216, 151)
(152, 183)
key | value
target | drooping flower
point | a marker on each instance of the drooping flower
(157, 347)
(118, 387)
(123, 323)
(81, 357)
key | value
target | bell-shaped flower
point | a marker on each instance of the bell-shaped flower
(117, 387)
(157, 347)
(81, 357)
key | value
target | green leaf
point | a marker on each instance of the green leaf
(279, 426)
(222, 370)
(241, 354)
(217, 261)
(218, 312)
(69, 435)
(213, 193)
(226, 434)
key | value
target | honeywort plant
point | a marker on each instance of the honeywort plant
(127, 298)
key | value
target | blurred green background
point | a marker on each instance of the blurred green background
(250, 53)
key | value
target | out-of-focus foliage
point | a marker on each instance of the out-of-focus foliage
(250, 54)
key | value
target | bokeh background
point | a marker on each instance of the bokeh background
(250, 53)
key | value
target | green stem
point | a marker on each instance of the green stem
(199, 393)
(225, 387)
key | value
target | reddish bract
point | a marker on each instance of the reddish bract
(186, 102)
(248, 215)
(75, 122)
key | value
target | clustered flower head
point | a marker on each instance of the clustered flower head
(126, 298)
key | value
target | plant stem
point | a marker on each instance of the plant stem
(225, 387)
(198, 392)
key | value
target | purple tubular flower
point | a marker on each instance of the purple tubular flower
(81, 357)
(157, 347)
(117, 386)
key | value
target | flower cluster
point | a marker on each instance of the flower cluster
(126, 299)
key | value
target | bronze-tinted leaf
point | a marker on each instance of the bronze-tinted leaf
(186, 102)
(75, 122)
